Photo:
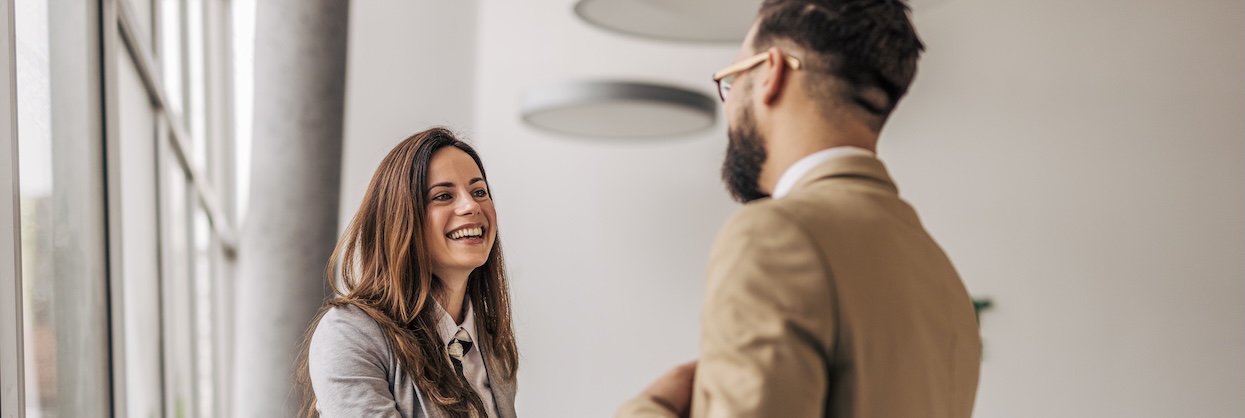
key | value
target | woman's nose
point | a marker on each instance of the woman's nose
(467, 206)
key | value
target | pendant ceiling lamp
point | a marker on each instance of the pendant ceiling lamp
(723, 21)
(611, 109)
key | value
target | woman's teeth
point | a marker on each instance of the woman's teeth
(466, 233)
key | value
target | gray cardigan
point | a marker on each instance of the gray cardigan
(355, 374)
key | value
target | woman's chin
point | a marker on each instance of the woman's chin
(469, 262)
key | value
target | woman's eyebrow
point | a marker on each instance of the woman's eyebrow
(441, 184)
(449, 184)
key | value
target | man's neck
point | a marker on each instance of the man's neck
(790, 142)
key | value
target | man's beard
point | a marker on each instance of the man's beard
(745, 154)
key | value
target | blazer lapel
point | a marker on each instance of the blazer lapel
(503, 388)
(855, 166)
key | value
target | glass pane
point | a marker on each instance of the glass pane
(35, 153)
(204, 277)
(243, 13)
(196, 83)
(62, 222)
(170, 54)
(143, 18)
(178, 304)
(140, 255)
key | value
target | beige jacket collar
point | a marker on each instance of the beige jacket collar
(855, 166)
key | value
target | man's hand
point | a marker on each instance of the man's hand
(675, 388)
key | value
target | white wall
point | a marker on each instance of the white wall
(412, 66)
(1083, 163)
(606, 240)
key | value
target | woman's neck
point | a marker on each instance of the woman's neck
(451, 296)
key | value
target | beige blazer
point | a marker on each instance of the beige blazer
(832, 301)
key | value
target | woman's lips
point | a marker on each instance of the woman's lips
(469, 235)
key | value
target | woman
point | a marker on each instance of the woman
(422, 326)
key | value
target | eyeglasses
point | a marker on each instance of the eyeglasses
(727, 76)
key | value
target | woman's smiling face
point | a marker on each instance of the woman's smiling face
(460, 222)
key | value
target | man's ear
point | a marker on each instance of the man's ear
(775, 75)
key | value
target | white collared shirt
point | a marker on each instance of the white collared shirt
(811, 161)
(473, 362)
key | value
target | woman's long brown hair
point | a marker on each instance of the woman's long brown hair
(386, 272)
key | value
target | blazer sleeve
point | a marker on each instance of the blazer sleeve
(644, 407)
(768, 321)
(348, 363)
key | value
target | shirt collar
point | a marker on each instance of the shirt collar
(808, 163)
(448, 328)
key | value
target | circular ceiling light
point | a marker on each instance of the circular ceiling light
(612, 109)
(674, 20)
(682, 20)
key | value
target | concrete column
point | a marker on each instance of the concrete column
(291, 224)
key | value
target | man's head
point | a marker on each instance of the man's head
(853, 62)
(857, 53)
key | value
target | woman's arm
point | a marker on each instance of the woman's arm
(349, 366)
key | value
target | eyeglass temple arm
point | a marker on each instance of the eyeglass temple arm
(749, 63)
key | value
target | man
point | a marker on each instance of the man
(825, 295)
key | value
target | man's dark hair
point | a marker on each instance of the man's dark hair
(869, 45)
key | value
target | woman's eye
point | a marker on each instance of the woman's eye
(441, 197)
(480, 193)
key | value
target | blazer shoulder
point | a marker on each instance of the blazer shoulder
(762, 213)
(349, 316)
(348, 325)
(761, 224)
(773, 218)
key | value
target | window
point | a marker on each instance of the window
(118, 213)
(63, 273)
(175, 153)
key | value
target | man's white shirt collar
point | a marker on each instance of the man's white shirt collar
(811, 161)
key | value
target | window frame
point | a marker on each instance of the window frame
(209, 187)
(12, 369)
